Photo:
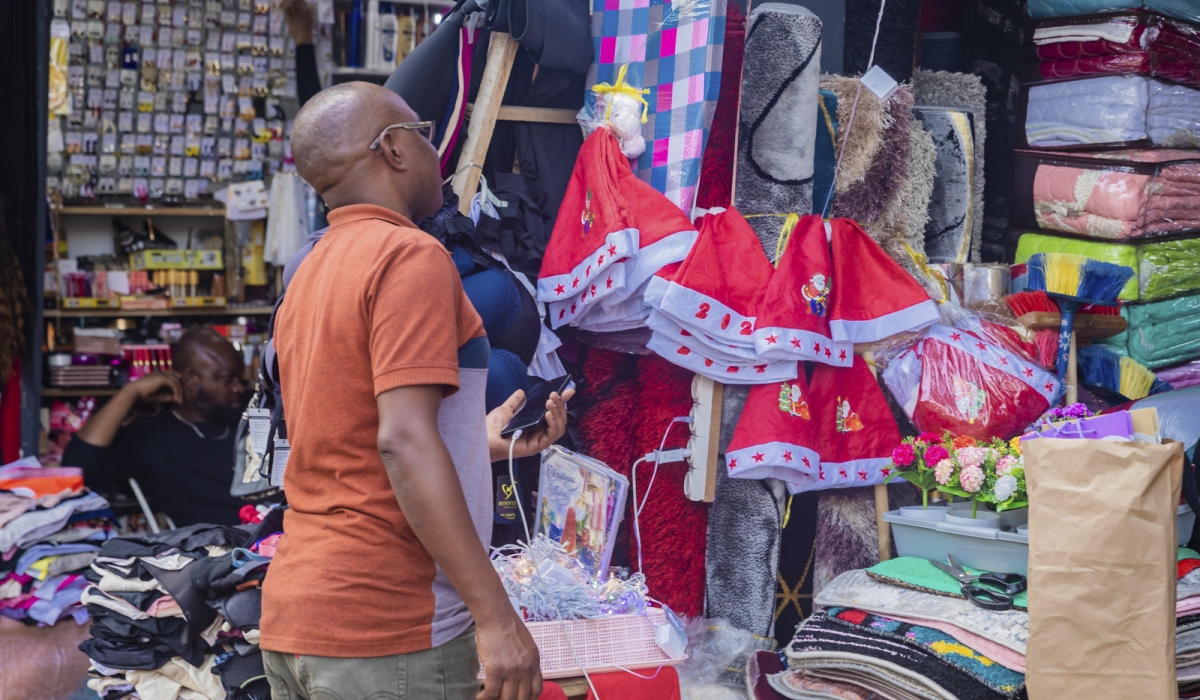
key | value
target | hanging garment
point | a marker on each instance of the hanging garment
(287, 225)
(775, 434)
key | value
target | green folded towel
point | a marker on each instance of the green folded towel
(922, 575)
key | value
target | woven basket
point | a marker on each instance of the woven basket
(604, 644)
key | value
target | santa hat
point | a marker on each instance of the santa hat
(663, 326)
(698, 358)
(960, 380)
(717, 288)
(612, 234)
(855, 429)
(874, 297)
(775, 434)
(793, 316)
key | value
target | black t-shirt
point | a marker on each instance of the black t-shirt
(181, 474)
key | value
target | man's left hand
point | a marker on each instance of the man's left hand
(536, 439)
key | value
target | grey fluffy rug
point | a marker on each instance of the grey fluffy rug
(777, 131)
(864, 201)
(847, 537)
(744, 532)
(964, 91)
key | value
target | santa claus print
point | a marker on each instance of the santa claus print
(816, 292)
(792, 402)
(847, 420)
(587, 218)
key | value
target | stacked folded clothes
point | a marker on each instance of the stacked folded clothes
(1161, 333)
(1111, 111)
(1181, 376)
(1111, 194)
(1164, 268)
(50, 531)
(1131, 42)
(1187, 624)
(176, 614)
(1179, 9)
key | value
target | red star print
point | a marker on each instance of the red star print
(733, 464)
(560, 290)
(572, 307)
(758, 456)
(684, 332)
(885, 471)
(981, 346)
(1028, 373)
(841, 354)
(731, 370)
(575, 283)
(842, 471)
(787, 456)
(760, 368)
(771, 339)
(608, 285)
(588, 271)
(593, 290)
(612, 250)
(796, 343)
(561, 313)
(862, 475)
(828, 354)
(708, 362)
(1004, 361)
(816, 347)
(806, 463)
(821, 474)
(600, 260)
(1048, 386)
(683, 350)
(956, 336)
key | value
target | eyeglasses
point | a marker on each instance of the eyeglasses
(425, 129)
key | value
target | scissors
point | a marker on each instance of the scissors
(997, 591)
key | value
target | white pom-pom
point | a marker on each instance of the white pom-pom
(626, 121)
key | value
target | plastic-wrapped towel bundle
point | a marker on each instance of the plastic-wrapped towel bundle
(1179, 9)
(1133, 42)
(777, 132)
(674, 50)
(1161, 333)
(1112, 111)
(965, 382)
(613, 233)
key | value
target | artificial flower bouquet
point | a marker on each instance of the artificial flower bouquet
(988, 472)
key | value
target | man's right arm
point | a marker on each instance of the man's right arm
(426, 484)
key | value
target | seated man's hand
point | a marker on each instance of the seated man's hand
(157, 387)
(534, 440)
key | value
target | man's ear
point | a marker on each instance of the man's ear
(394, 152)
(190, 378)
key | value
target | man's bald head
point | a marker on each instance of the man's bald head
(210, 369)
(331, 140)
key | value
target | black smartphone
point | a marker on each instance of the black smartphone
(533, 411)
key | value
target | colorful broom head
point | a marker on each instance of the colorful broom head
(1100, 367)
(1023, 303)
(1100, 310)
(1077, 276)
(1047, 345)
(1102, 282)
(1136, 380)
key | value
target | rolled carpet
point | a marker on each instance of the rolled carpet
(777, 132)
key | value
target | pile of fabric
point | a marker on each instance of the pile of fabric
(176, 614)
(51, 528)
(1112, 111)
(1187, 624)
(1161, 333)
(1130, 42)
(1113, 194)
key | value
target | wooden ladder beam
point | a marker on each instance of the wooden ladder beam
(502, 50)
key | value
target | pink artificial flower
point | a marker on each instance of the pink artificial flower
(971, 457)
(935, 454)
(928, 438)
(943, 471)
(1005, 463)
(904, 455)
(971, 479)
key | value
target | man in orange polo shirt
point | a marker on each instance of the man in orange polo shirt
(383, 363)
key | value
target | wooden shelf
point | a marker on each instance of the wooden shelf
(101, 210)
(70, 392)
(1087, 326)
(129, 313)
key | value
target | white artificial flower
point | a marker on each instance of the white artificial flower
(1005, 487)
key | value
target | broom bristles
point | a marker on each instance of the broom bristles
(1035, 273)
(1100, 310)
(1047, 345)
(1136, 380)
(1023, 303)
(1102, 281)
(1063, 272)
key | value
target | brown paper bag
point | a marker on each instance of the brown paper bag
(1102, 551)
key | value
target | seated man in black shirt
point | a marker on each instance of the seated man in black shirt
(183, 456)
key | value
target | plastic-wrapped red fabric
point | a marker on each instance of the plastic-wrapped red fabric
(1128, 43)
(965, 382)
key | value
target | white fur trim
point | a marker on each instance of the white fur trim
(654, 257)
(686, 306)
(795, 344)
(617, 245)
(660, 323)
(781, 460)
(913, 318)
(829, 475)
(612, 282)
(760, 373)
(656, 287)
